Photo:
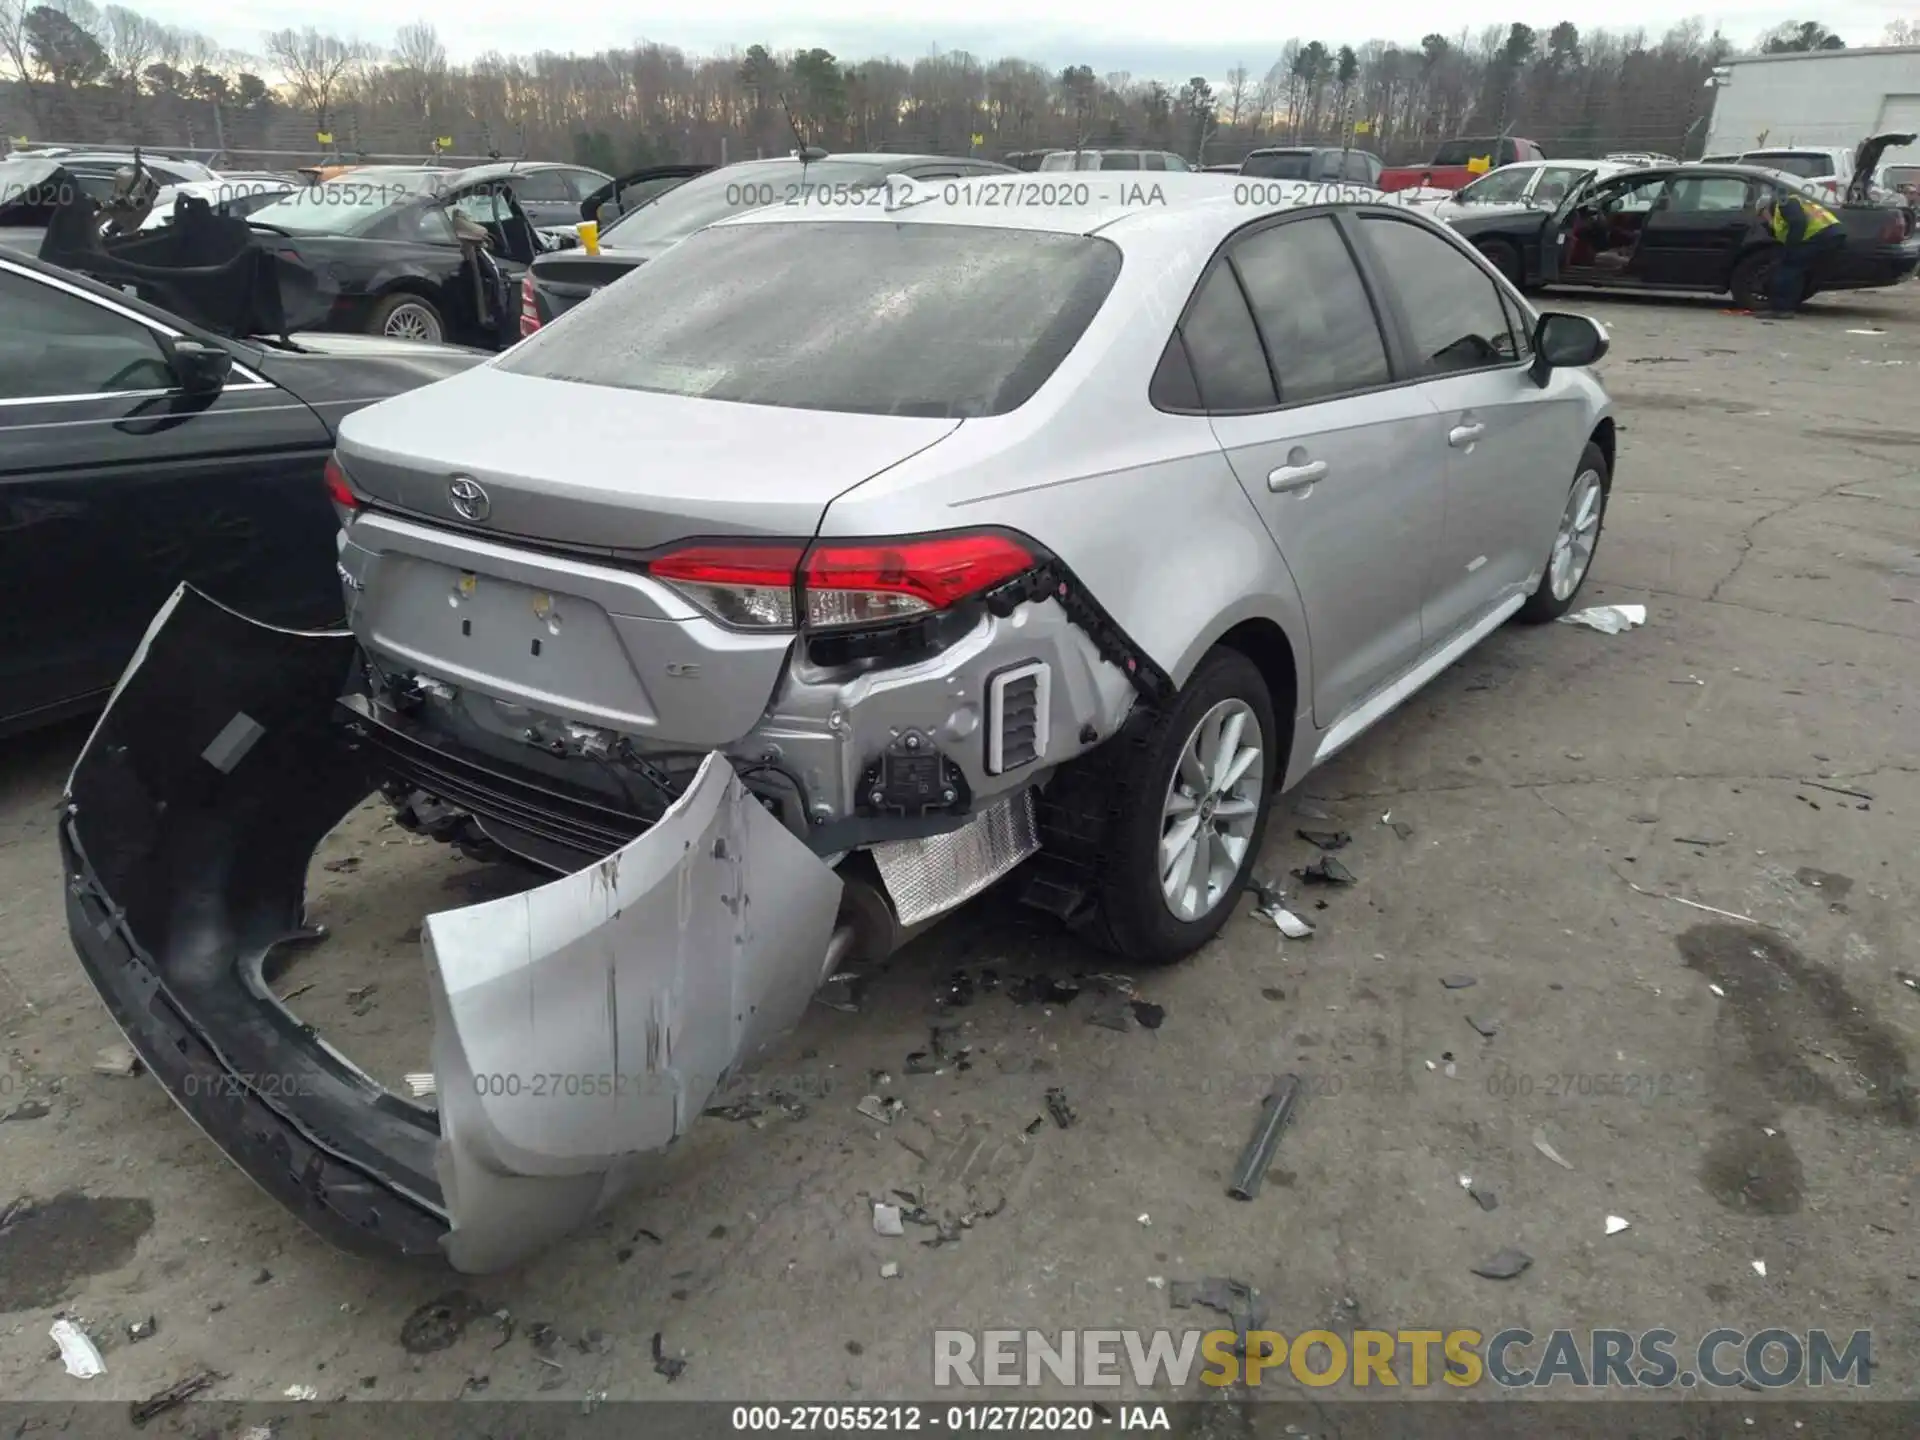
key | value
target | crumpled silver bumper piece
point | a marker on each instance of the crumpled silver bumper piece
(578, 1027)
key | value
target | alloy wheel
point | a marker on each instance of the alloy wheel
(1211, 809)
(1579, 532)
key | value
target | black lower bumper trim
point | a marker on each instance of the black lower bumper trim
(186, 865)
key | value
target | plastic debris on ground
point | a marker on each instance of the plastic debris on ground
(842, 992)
(1608, 619)
(1486, 1029)
(886, 1219)
(1866, 332)
(1324, 871)
(77, 1352)
(116, 1060)
(874, 1108)
(301, 1392)
(1235, 1299)
(1041, 990)
(1113, 1012)
(1504, 1264)
(178, 1393)
(1255, 1160)
(956, 990)
(1057, 1106)
(1326, 839)
(1399, 827)
(890, 1270)
(1486, 1199)
(1306, 808)
(1148, 1014)
(1545, 1147)
(1458, 982)
(1760, 1268)
(422, 1084)
(1617, 1223)
(1718, 991)
(671, 1366)
(1144, 1218)
(138, 1330)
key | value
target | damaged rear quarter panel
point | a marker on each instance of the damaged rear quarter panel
(583, 1024)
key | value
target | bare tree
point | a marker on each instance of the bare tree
(16, 56)
(316, 65)
(132, 43)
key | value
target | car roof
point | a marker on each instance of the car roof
(1205, 204)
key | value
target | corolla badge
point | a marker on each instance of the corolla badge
(468, 498)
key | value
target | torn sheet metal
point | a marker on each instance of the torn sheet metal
(580, 1025)
(657, 968)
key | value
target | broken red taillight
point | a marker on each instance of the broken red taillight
(529, 307)
(840, 584)
(345, 503)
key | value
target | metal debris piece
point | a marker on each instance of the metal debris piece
(1325, 871)
(747, 1109)
(138, 1330)
(1504, 1264)
(1608, 619)
(1545, 1147)
(439, 1323)
(1148, 1014)
(1838, 790)
(886, 1219)
(1485, 1028)
(301, 1392)
(1458, 982)
(1266, 894)
(1057, 1106)
(1617, 1223)
(78, 1353)
(422, 1084)
(1034, 1125)
(918, 1063)
(890, 1270)
(1717, 990)
(1399, 827)
(1251, 1171)
(1760, 1268)
(116, 1060)
(1235, 1299)
(27, 1110)
(345, 865)
(1486, 1199)
(1326, 839)
(178, 1393)
(874, 1108)
(670, 1366)
(1112, 1013)
(1144, 1218)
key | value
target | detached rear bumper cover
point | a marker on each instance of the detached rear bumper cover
(578, 1027)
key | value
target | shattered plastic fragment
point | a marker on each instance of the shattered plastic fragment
(1760, 1268)
(890, 1270)
(1485, 1028)
(77, 1352)
(1326, 839)
(1717, 990)
(1255, 1160)
(1325, 871)
(874, 1108)
(116, 1060)
(1617, 1223)
(421, 1084)
(301, 1392)
(886, 1219)
(1505, 1264)
(1235, 1299)
(1541, 1143)
(670, 1366)
(1059, 1109)
(1148, 1014)
(1112, 1013)
(1608, 619)
(1458, 982)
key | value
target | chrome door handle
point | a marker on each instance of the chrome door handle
(1296, 477)
(1462, 436)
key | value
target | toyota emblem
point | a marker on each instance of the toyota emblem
(468, 498)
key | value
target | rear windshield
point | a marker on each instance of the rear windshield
(1807, 164)
(946, 321)
(730, 190)
(1281, 165)
(1459, 152)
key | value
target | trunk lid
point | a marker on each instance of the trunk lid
(612, 472)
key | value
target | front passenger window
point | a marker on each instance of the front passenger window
(53, 343)
(1453, 306)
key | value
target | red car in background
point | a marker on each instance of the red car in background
(1459, 161)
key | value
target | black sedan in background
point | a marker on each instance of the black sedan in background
(138, 451)
(1684, 228)
(558, 281)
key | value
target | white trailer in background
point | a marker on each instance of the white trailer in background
(1821, 99)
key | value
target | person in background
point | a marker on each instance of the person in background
(1805, 230)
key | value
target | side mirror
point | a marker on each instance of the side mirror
(202, 370)
(1562, 341)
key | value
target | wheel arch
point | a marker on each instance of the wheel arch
(1606, 436)
(1282, 662)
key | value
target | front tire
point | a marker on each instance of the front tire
(1753, 280)
(1506, 260)
(1187, 789)
(1574, 541)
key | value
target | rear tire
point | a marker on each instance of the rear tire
(1575, 542)
(1752, 279)
(1506, 260)
(404, 316)
(1135, 775)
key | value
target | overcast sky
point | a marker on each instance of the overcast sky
(1204, 37)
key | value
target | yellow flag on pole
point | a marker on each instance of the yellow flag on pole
(1479, 164)
(325, 137)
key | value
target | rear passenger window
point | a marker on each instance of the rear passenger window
(1312, 310)
(1228, 365)
(1452, 305)
(1151, 161)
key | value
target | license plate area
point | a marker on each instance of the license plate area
(548, 649)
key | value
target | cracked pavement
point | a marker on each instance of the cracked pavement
(1574, 799)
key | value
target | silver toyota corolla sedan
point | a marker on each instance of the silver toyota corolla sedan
(811, 578)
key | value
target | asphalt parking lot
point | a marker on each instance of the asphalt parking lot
(1742, 1095)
